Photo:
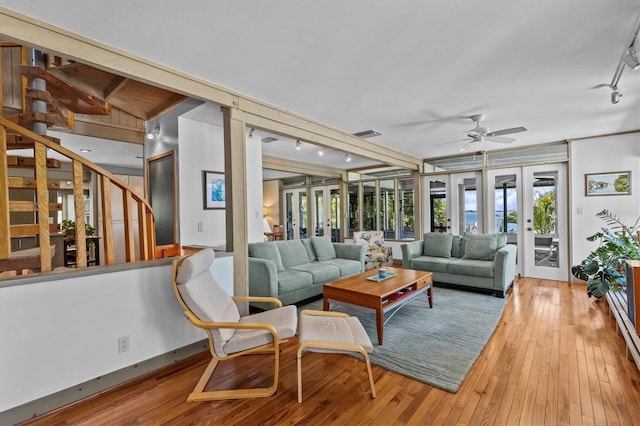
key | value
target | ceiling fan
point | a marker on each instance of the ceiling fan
(482, 134)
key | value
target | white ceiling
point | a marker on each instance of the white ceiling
(410, 69)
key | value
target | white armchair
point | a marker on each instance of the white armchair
(375, 252)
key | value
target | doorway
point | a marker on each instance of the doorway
(325, 211)
(295, 213)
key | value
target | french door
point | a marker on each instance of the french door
(325, 211)
(295, 212)
(530, 205)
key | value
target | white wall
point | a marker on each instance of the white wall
(606, 154)
(58, 334)
(201, 147)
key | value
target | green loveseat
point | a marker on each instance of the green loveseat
(482, 261)
(295, 270)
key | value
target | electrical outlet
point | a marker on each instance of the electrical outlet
(123, 344)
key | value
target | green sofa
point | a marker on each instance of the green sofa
(295, 270)
(483, 261)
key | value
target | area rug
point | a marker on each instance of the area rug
(436, 346)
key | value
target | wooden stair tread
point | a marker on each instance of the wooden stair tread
(30, 162)
(67, 95)
(53, 107)
(23, 259)
(15, 141)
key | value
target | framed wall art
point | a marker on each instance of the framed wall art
(610, 183)
(213, 190)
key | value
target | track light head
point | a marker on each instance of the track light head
(298, 145)
(347, 157)
(321, 152)
(615, 95)
(251, 132)
(630, 58)
(155, 132)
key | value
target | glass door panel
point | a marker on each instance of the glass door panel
(387, 209)
(353, 214)
(369, 206)
(295, 213)
(438, 208)
(326, 212)
(406, 216)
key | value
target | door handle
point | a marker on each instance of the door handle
(529, 229)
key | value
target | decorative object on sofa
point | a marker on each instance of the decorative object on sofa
(209, 307)
(603, 268)
(333, 332)
(295, 270)
(483, 261)
(376, 253)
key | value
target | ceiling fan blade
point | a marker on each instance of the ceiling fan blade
(459, 140)
(467, 145)
(507, 131)
(499, 139)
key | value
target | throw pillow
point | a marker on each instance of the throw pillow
(267, 251)
(457, 246)
(311, 254)
(292, 253)
(480, 246)
(437, 244)
(324, 248)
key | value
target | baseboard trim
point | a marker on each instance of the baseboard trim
(98, 385)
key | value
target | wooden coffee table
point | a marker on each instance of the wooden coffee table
(380, 295)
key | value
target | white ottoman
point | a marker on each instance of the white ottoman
(324, 331)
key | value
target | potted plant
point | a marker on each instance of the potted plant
(69, 228)
(603, 268)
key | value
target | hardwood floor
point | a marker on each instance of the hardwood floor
(555, 358)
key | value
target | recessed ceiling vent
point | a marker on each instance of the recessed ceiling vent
(269, 139)
(367, 133)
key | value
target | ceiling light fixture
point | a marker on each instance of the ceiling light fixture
(298, 145)
(631, 58)
(155, 132)
(347, 157)
(251, 133)
(85, 150)
(321, 152)
(615, 95)
(269, 139)
(367, 133)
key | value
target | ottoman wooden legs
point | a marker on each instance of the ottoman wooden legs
(332, 332)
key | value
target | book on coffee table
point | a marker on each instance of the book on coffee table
(377, 277)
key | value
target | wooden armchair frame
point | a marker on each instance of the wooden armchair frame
(198, 393)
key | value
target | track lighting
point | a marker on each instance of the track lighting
(630, 58)
(321, 152)
(155, 132)
(298, 145)
(347, 157)
(615, 95)
(251, 133)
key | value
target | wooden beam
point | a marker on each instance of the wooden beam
(30, 206)
(43, 207)
(108, 131)
(235, 164)
(78, 202)
(166, 106)
(129, 243)
(30, 162)
(277, 163)
(5, 240)
(73, 99)
(107, 220)
(115, 86)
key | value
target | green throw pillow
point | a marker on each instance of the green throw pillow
(267, 250)
(480, 246)
(292, 253)
(437, 244)
(324, 248)
(311, 254)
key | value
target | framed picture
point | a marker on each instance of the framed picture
(611, 183)
(213, 190)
